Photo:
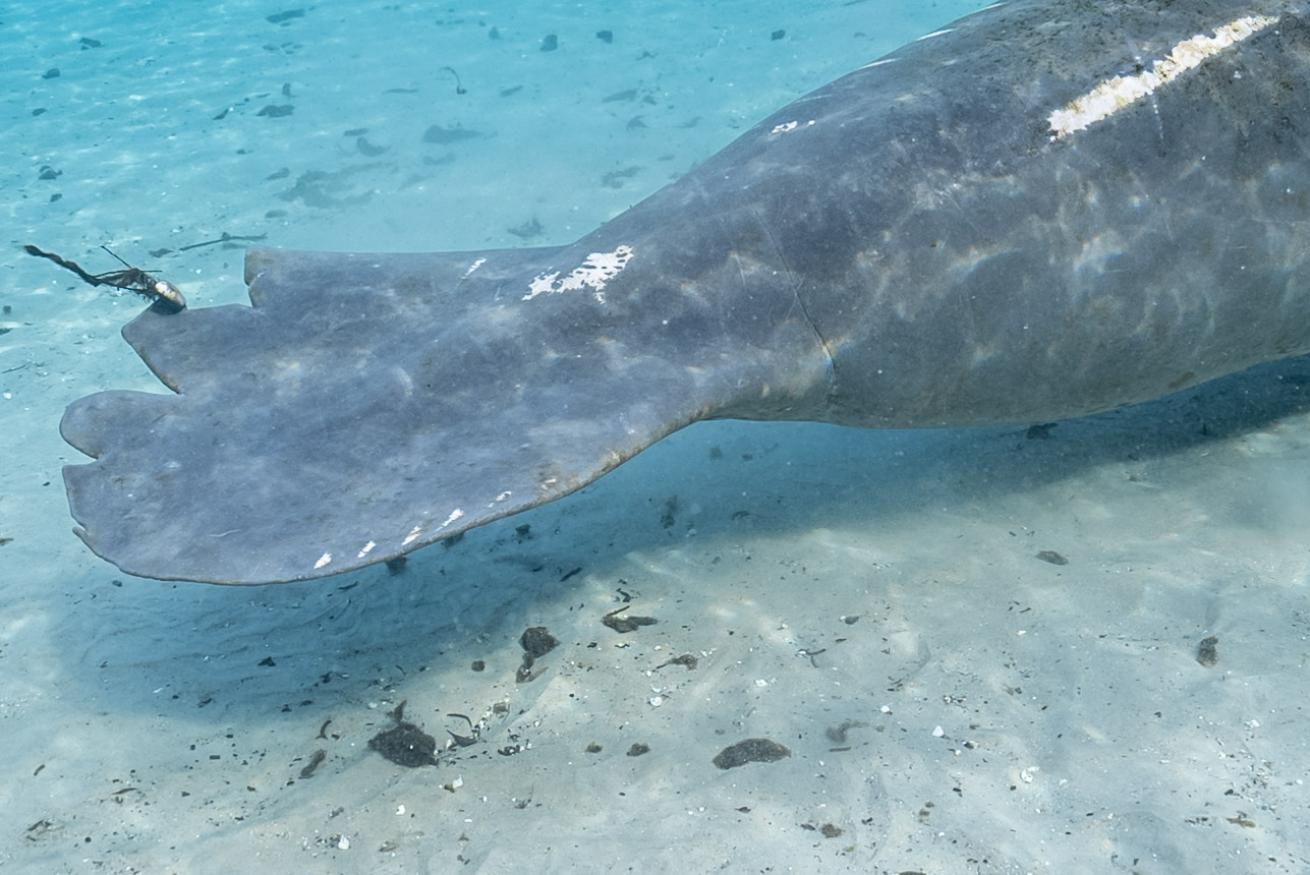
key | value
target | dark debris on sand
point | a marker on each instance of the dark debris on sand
(536, 642)
(752, 750)
(405, 744)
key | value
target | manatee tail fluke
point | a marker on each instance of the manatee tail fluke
(364, 406)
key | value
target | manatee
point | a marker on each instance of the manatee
(1043, 210)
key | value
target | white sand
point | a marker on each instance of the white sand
(845, 593)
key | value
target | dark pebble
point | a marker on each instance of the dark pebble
(1052, 557)
(549, 43)
(752, 750)
(406, 745)
(537, 641)
(1206, 652)
(605, 36)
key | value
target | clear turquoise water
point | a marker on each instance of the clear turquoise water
(145, 733)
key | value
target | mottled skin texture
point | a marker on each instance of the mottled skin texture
(923, 253)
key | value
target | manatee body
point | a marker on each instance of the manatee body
(1042, 210)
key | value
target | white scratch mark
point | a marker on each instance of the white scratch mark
(412, 536)
(474, 266)
(942, 32)
(595, 271)
(1115, 94)
(788, 127)
(454, 515)
(322, 560)
(878, 63)
(367, 549)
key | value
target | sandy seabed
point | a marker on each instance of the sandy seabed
(1074, 649)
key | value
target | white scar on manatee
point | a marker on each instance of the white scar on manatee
(595, 271)
(788, 127)
(1115, 94)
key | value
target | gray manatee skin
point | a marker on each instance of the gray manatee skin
(1043, 210)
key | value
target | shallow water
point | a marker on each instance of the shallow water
(872, 600)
